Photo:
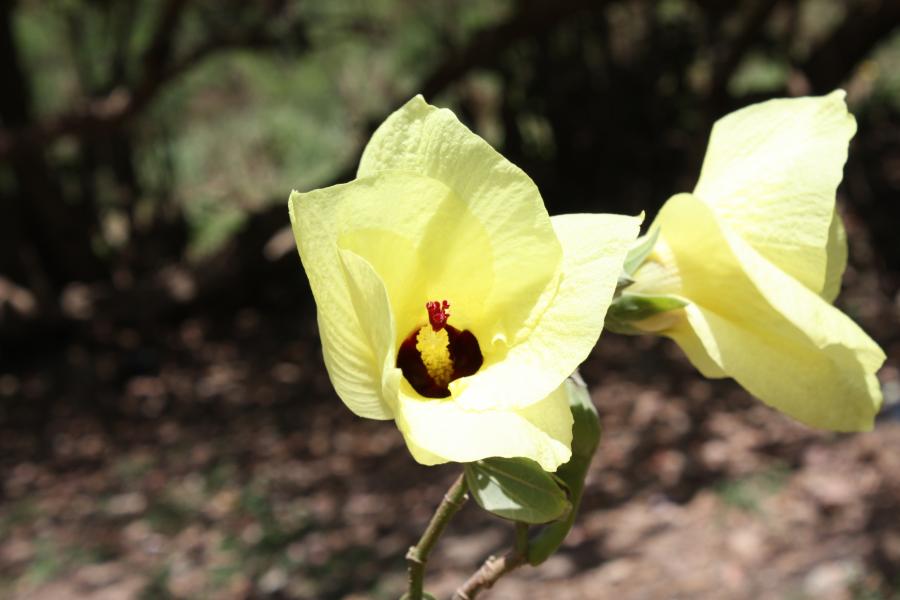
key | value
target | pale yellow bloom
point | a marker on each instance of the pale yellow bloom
(434, 215)
(757, 252)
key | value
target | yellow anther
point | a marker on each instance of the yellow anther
(433, 347)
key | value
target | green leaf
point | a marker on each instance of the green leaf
(636, 307)
(641, 249)
(585, 437)
(516, 489)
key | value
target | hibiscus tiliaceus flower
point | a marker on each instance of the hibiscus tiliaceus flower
(756, 253)
(447, 299)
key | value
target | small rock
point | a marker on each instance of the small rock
(273, 581)
(830, 579)
(126, 505)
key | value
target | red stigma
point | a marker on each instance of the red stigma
(437, 314)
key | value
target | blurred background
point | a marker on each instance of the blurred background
(167, 429)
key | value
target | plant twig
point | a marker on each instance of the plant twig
(521, 543)
(494, 568)
(417, 555)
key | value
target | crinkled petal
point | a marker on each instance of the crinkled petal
(351, 360)
(438, 431)
(423, 140)
(770, 173)
(782, 342)
(594, 248)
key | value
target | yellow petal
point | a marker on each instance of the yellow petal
(351, 361)
(690, 335)
(373, 310)
(431, 143)
(594, 248)
(438, 431)
(783, 343)
(770, 173)
(836, 252)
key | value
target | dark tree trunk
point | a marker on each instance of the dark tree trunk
(36, 216)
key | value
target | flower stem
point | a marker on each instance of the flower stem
(521, 543)
(417, 555)
(494, 568)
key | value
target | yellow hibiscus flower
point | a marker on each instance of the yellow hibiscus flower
(447, 299)
(755, 256)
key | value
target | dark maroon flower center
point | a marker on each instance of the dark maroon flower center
(457, 355)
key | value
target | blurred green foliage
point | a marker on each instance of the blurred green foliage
(290, 93)
(750, 492)
(243, 128)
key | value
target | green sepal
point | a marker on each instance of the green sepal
(620, 327)
(637, 307)
(516, 489)
(639, 252)
(585, 438)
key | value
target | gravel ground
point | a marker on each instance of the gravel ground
(210, 458)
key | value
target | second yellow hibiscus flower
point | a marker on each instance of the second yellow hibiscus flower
(754, 258)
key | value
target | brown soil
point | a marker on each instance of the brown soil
(210, 458)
